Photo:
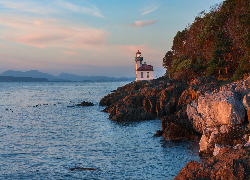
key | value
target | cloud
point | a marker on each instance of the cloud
(150, 9)
(143, 23)
(57, 7)
(29, 6)
(45, 33)
(91, 9)
(12, 5)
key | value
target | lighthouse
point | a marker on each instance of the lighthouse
(142, 71)
(138, 62)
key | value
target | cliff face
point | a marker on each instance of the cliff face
(143, 100)
(230, 163)
(203, 109)
(161, 98)
(221, 115)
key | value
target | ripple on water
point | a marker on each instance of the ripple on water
(42, 138)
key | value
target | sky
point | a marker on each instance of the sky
(91, 37)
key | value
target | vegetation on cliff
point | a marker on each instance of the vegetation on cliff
(217, 43)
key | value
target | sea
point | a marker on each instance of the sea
(44, 135)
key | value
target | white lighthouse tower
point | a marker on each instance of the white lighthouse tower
(142, 71)
(138, 62)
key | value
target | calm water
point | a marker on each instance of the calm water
(42, 137)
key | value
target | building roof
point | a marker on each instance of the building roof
(145, 67)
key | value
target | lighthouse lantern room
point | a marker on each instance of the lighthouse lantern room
(142, 71)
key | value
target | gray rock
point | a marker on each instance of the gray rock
(222, 108)
(195, 117)
(218, 112)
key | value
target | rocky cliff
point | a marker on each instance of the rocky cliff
(221, 115)
(162, 98)
(203, 109)
(230, 163)
(143, 100)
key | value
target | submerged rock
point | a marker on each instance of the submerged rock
(158, 133)
(81, 169)
(84, 103)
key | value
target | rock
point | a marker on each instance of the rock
(248, 143)
(237, 147)
(246, 102)
(143, 100)
(222, 108)
(195, 117)
(217, 149)
(84, 103)
(178, 127)
(158, 133)
(229, 163)
(81, 169)
(220, 116)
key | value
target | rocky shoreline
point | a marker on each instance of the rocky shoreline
(203, 109)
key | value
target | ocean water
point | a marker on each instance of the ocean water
(43, 135)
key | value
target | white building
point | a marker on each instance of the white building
(142, 71)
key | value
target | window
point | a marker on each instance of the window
(147, 74)
(141, 74)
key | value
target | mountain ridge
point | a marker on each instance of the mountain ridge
(62, 76)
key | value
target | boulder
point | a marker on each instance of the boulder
(222, 108)
(158, 133)
(195, 117)
(218, 116)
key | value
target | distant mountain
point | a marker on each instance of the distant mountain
(32, 73)
(62, 76)
(21, 79)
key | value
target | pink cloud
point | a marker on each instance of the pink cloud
(143, 23)
(50, 33)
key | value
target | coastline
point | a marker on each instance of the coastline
(171, 100)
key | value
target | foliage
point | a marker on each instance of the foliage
(217, 43)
